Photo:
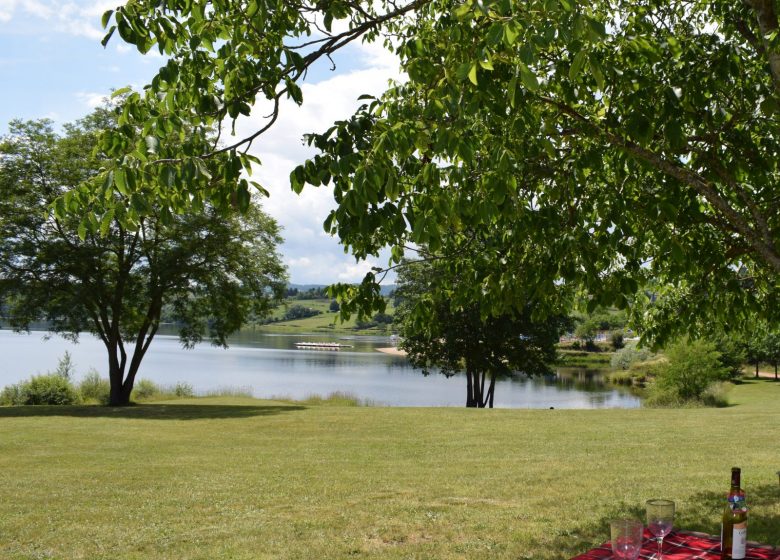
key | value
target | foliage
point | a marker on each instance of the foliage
(772, 349)
(214, 268)
(48, 389)
(299, 312)
(93, 387)
(440, 335)
(691, 369)
(13, 395)
(183, 390)
(572, 129)
(65, 367)
(731, 348)
(616, 340)
(145, 389)
(630, 354)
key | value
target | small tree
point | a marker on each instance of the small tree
(692, 367)
(213, 267)
(439, 334)
(771, 346)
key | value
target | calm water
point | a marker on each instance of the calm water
(271, 366)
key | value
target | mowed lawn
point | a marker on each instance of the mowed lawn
(241, 479)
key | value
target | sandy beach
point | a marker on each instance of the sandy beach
(392, 350)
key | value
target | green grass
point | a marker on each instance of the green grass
(327, 322)
(580, 358)
(246, 479)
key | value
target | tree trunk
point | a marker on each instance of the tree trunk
(469, 390)
(492, 389)
(756, 370)
(775, 371)
(117, 396)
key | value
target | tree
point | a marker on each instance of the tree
(692, 367)
(754, 349)
(607, 141)
(772, 349)
(212, 268)
(438, 334)
(300, 312)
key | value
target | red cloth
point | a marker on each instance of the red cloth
(681, 545)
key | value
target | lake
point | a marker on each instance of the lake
(270, 366)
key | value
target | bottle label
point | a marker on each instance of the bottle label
(739, 541)
(737, 503)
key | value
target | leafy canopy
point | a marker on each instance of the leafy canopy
(605, 142)
(213, 269)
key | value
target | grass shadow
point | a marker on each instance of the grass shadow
(702, 513)
(151, 411)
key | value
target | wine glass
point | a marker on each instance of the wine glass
(660, 520)
(626, 538)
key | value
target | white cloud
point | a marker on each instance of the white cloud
(78, 18)
(312, 255)
(356, 271)
(7, 8)
(91, 100)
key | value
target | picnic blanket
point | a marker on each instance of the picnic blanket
(682, 545)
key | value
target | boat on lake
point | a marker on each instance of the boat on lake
(321, 345)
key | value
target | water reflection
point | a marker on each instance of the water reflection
(273, 367)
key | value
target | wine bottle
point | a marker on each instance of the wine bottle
(733, 536)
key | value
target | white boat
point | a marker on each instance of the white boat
(321, 345)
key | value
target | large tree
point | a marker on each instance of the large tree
(609, 141)
(440, 335)
(211, 266)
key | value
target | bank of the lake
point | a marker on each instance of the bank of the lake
(247, 479)
(271, 366)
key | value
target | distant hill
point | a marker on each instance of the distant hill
(385, 290)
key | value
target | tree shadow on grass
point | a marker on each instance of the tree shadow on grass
(151, 411)
(702, 513)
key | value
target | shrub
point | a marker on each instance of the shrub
(616, 340)
(629, 355)
(145, 389)
(49, 389)
(95, 388)
(688, 375)
(300, 312)
(183, 389)
(13, 395)
(65, 367)
(334, 306)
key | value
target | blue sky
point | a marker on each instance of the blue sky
(52, 65)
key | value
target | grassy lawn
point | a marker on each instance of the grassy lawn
(248, 479)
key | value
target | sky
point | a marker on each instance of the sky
(52, 65)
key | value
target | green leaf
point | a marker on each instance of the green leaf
(473, 74)
(105, 222)
(577, 65)
(486, 64)
(511, 32)
(120, 181)
(121, 91)
(527, 77)
(294, 92)
(104, 41)
(106, 17)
